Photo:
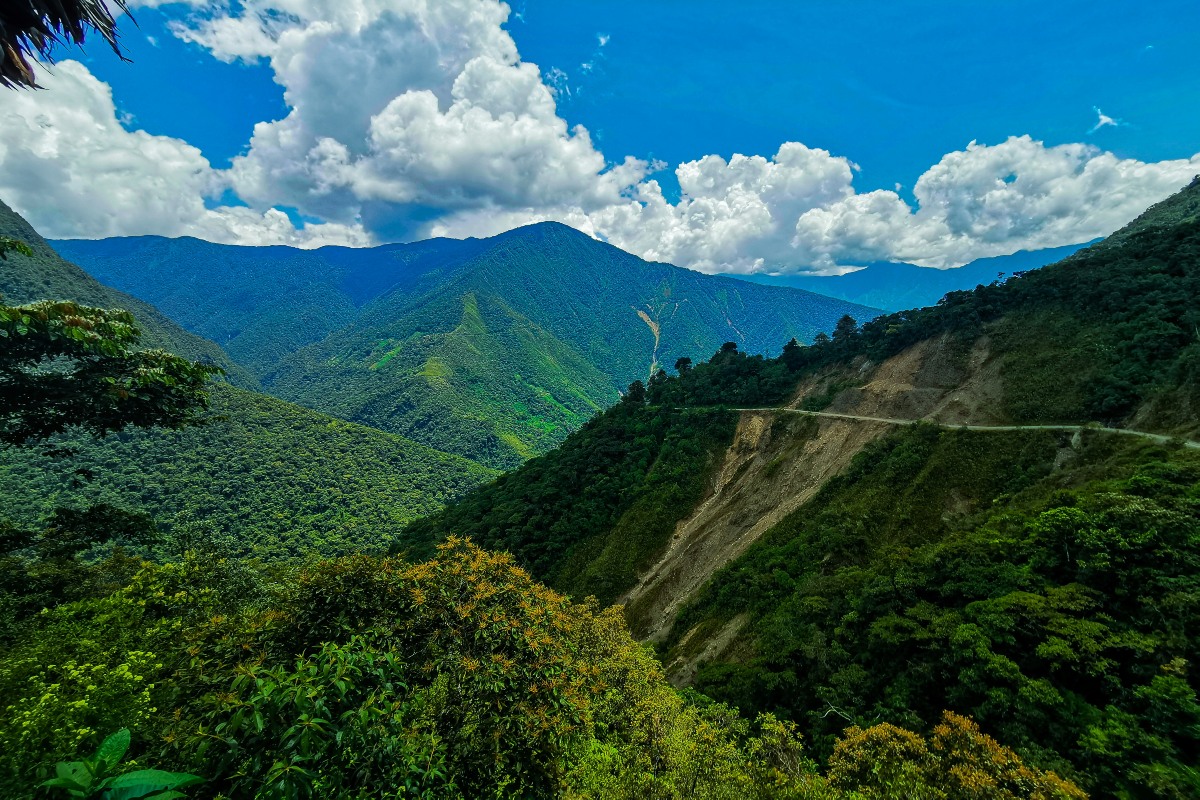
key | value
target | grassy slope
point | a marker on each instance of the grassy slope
(270, 479)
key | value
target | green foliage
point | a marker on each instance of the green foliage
(67, 366)
(955, 569)
(94, 777)
(363, 677)
(11, 245)
(958, 761)
(263, 478)
(588, 516)
(42, 569)
(41, 274)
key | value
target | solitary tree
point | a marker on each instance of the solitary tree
(30, 29)
(845, 329)
(636, 393)
(793, 355)
(683, 364)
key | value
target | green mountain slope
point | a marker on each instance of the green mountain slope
(494, 349)
(531, 337)
(267, 478)
(47, 276)
(840, 571)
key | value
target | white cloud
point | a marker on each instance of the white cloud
(410, 118)
(799, 211)
(68, 164)
(402, 111)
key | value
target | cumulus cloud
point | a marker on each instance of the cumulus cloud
(800, 212)
(404, 105)
(69, 165)
(411, 118)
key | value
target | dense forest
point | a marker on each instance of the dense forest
(260, 478)
(1039, 582)
(956, 614)
(492, 349)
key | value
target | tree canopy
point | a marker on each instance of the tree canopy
(64, 365)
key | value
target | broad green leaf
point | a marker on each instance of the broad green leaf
(113, 748)
(154, 777)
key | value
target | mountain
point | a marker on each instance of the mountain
(930, 512)
(261, 303)
(264, 477)
(267, 477)
(47, 276)
(894, 286)
(494, 349)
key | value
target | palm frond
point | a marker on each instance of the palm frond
(30, 29)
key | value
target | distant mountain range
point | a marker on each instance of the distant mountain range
(494, 349)
(895, 286)
(266, 476)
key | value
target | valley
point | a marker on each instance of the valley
(976, 506)
(478, 400)
(492, 349)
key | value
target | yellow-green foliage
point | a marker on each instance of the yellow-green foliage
(957, 761)
(457, 677)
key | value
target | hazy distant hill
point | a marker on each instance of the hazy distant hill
(494, 349)
(895, 286)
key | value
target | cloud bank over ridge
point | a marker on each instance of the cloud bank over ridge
(411, 118)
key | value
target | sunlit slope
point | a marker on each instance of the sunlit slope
(531, 337)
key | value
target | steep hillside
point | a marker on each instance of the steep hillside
(265, 478)
(261, 303)
(494, 349)
(842, 565)
(895, 286)
(529, 338)
(47, 276)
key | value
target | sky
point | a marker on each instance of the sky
(769, 136)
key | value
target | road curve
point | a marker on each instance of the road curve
(1156, 437)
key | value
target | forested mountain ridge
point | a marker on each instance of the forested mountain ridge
(529, 340)
(494, 349)
(263, 476)
(47, 276)
(262, 303)
(835, 570)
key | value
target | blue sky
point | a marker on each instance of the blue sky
(874, 95)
